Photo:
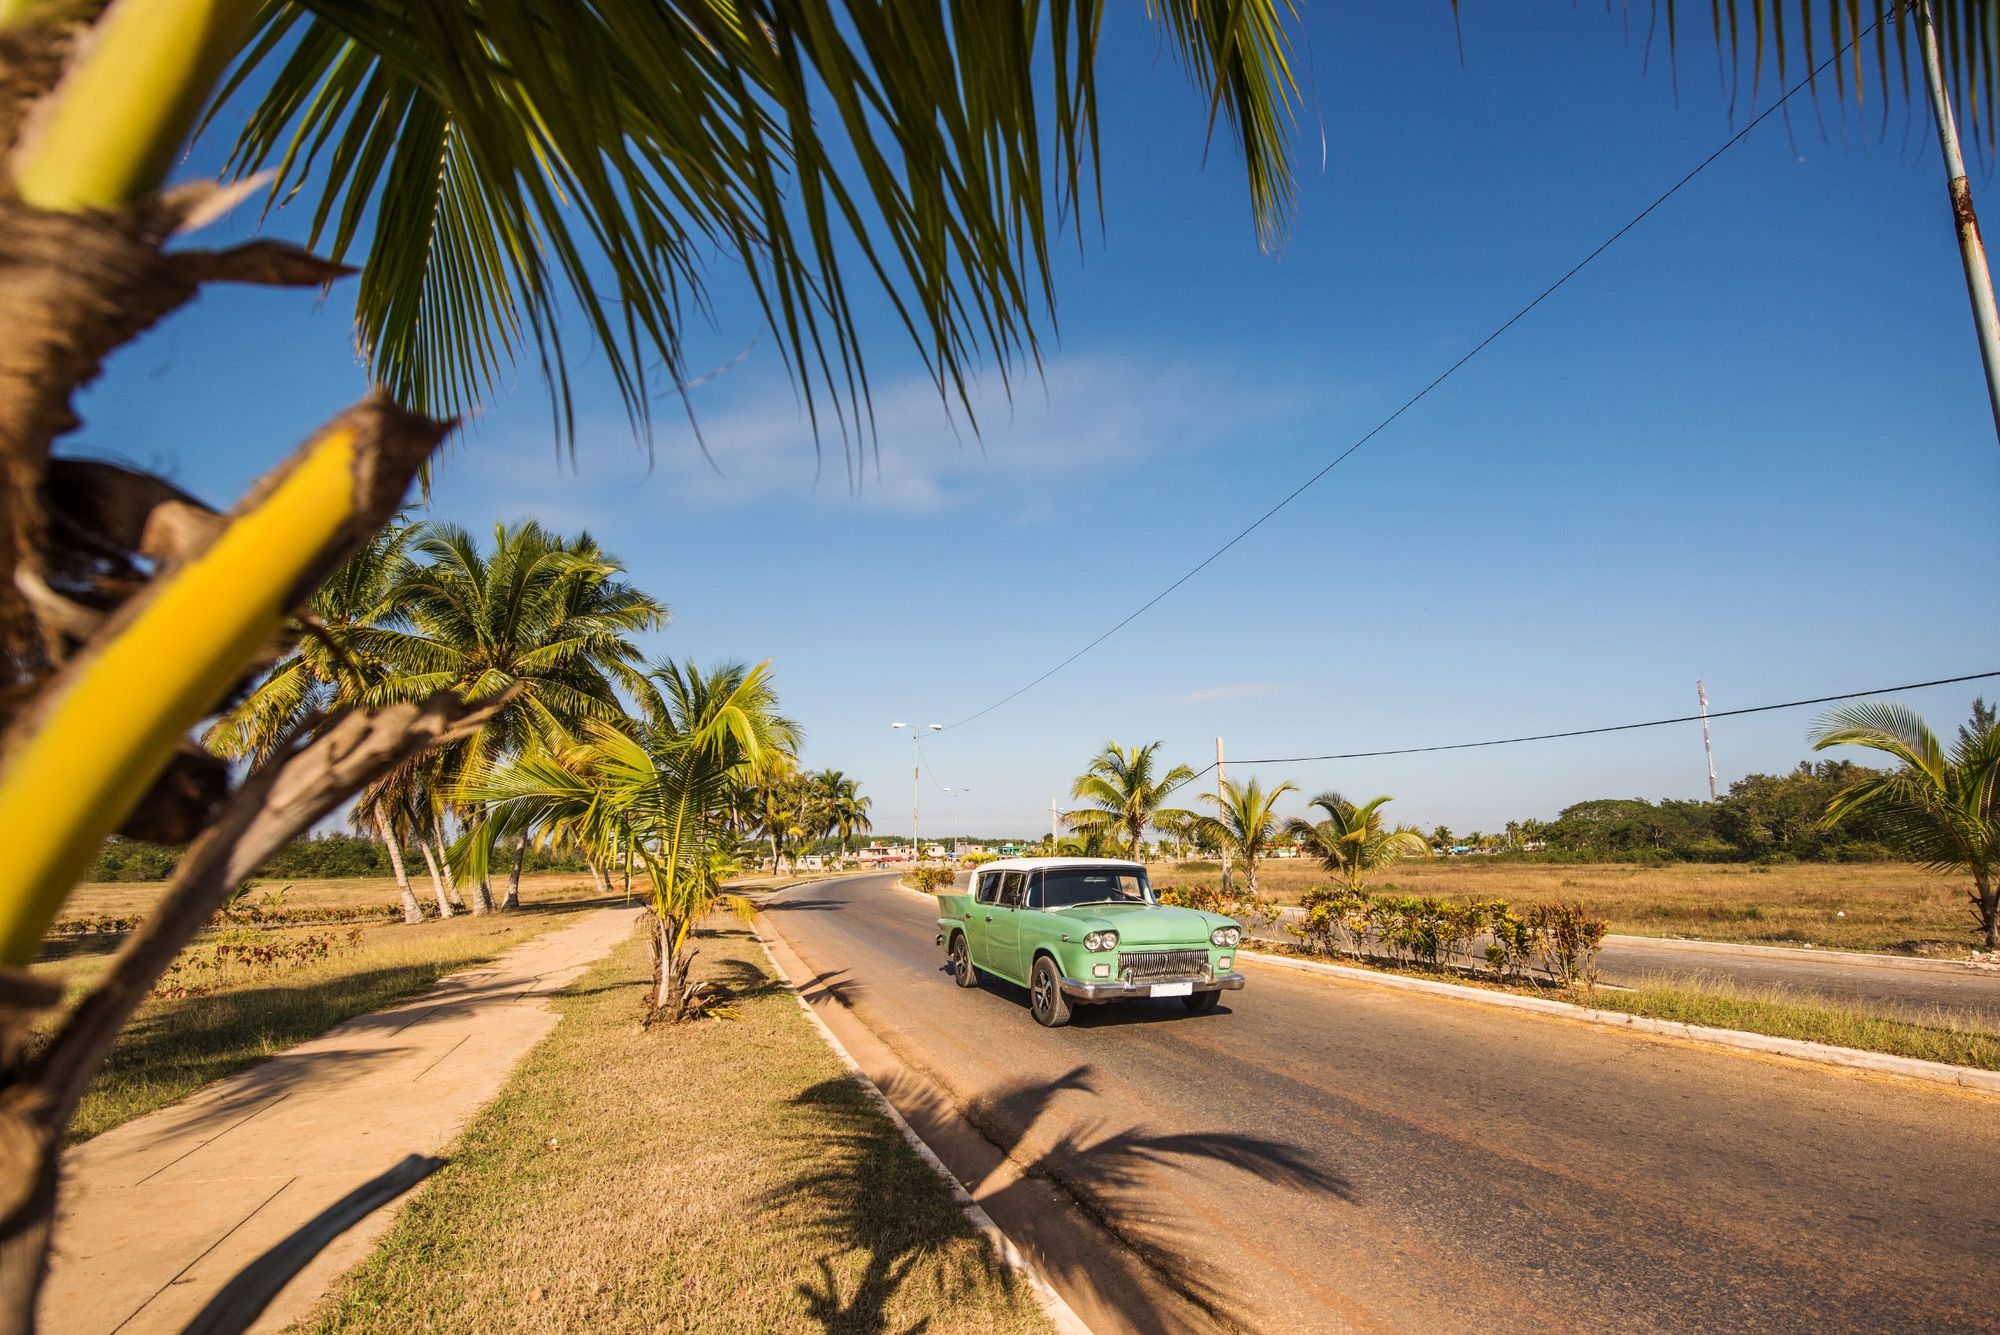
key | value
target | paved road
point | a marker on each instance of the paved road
(1914, 989)
(1894, 987)
(1321, 1155)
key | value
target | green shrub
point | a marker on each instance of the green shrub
(1335, 921)
(1513, 941)
(930, 880)
(1566, 941)
(1247, 909)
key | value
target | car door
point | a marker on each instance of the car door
(1003, 926)
(985, 890)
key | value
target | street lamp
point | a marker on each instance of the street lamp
(916, 771)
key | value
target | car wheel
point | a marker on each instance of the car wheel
(962, 971)
(1201, 1001)
(1045, 997)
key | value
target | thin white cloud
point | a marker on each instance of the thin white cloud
(1086, 415)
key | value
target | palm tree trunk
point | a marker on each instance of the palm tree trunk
(444, 861)
(600, 879)
(437, 880)
(628, 871)
(482, 897)
(1250, 874)
(513, 899)
(666, 970)
(1989, 907)
(413, 912)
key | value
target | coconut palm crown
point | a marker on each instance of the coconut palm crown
(1246, 821)
(1941, 807)
(1355, 840)
(1126, 794)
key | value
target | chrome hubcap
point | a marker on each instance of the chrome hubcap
(1042, 992)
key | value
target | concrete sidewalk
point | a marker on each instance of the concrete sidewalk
(160, 1213)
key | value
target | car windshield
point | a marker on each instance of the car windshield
(1065, 887)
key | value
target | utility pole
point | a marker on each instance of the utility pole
(1971, 250)
(1707, 748)
(1219, 808)
(1052, 827)
(916, 773)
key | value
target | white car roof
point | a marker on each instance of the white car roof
(1035, 864)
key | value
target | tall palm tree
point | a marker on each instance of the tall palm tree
(336, 663)
(1246, 821)
(1126, 795)
(846, 810)
(545, 623)
(1940, 808)
(1355, 840)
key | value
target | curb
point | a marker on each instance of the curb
(1059, 1313)
(1825, 1054)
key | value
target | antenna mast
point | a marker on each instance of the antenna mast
(1707, 748)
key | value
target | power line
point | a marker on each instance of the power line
(1442, 376)
(1592, 732)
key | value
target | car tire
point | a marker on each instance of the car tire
(1046, 1001)
(1201, 1001)
(960, 958)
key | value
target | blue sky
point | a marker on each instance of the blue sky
(1750, 444)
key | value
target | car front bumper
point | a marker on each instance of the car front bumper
(1119, 990)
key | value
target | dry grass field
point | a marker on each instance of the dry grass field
(127, 899)
(175, 1045)
(1854, 906)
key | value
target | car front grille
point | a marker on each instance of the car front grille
(1141, 965)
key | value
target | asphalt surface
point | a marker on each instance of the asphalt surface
(1914, 989)
(1321, 1155)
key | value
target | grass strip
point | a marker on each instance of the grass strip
(723, 1176)
(174, 1047)
(1943, 1037)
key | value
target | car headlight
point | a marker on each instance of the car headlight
(1225, 936)
(1100, 940)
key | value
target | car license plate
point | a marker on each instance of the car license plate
(1173, 989)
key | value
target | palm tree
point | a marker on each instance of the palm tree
(1354, 840)
(334, 665)
(544, 623)
(1126, 796)
(1941, 809)
(667, 789)
(516, 171)
(1246, 821)
(846, 809)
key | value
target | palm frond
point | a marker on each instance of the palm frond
(502, 160)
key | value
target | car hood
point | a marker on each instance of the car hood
(1144, 924)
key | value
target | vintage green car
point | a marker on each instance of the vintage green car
(1084, 930)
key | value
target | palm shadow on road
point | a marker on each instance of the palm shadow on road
(1123, 1179)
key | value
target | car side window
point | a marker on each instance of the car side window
(986, 891)
(1012, 890)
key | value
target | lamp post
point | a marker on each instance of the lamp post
(916, 772)
(955, 792)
